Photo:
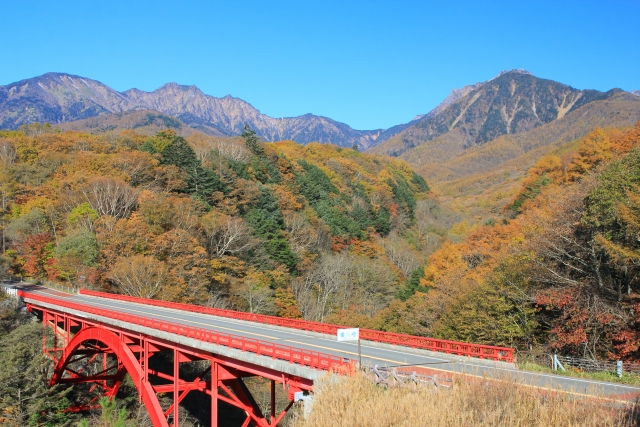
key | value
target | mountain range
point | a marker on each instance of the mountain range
(511, 103)
(59, 98)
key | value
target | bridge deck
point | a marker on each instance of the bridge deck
(372, 353)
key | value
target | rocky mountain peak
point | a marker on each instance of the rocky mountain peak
(457, 94)
(178, 87)
(513, 102)
(514, 71)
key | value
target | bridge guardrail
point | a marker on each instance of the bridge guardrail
(9, 290)
(311, 359)
(504, 354)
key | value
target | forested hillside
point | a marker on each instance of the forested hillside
(557, 269)
(316, 232)
(331, 234)
(481, 180)
(285, 229)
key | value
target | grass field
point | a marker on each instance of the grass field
(357, 402)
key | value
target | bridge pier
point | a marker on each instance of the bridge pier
(90, 352)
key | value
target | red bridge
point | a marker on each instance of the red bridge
(126, 334)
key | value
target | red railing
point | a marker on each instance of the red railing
(452, 347)
(302, 357)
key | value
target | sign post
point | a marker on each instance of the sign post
(352, 334)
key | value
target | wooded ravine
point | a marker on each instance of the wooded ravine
(322, 233)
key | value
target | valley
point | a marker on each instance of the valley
(506, 216)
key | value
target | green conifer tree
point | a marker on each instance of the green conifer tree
(252, 141)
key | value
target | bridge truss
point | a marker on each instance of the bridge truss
(79, 343)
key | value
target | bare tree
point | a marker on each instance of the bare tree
(110, 196)
(218, 298)
(303, 238)
(227, 234)
(304, 290)
(186, 214)
(233, 149)
(400, 253)
(138, 165)
(140, 276)
(340, 281)
(373, 285)
(400, 222)
(259, 299)
(324, 288)
(35, 129)
(201, 145)
(7, 153)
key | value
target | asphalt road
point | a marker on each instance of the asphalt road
(372, 354)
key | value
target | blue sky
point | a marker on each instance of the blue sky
(370, 64)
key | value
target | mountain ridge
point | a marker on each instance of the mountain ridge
(471, 115)
(147, 122)
(60, 97)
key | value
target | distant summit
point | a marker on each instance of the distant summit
(457, 94)
(514, 71)
(513, 102)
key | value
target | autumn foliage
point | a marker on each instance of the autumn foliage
(228, 222)
(330, 234)
(561, 269)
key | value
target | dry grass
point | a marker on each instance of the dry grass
(357, 402)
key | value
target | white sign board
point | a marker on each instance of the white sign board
(298, 395)
(352, 334)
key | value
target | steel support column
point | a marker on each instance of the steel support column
(273, 401)
(214, 393)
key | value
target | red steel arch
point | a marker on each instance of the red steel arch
(125, 357)
(78, 341)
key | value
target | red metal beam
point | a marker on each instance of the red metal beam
(87, 379)
(190, 386)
